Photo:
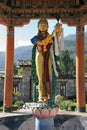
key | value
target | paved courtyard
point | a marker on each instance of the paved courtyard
(24, 120)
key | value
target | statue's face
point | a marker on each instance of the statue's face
(43, 27)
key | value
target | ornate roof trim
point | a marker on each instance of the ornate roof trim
(21, 16)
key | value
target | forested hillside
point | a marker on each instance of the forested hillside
(24, 52)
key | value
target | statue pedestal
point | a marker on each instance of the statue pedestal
(44, 115)
(44, 124)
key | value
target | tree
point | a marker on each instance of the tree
(15, 70)
(67, 65)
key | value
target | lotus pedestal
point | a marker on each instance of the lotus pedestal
(44, 116)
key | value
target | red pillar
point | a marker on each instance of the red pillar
(9, 67)
(80, 69)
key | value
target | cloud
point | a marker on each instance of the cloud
(22, 43)
(17, 44)
(2, 46)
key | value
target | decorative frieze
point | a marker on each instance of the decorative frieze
(42, 3)
(15, 21)
(20, 12)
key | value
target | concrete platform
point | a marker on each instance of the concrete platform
(24, 120)
(29, 111)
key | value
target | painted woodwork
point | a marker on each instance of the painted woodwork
(9, 67)
(80, 72)
(19, 12)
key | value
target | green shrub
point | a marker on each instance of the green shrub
(1, 108)
(86, 107)
(20, 71)
(17, 105)
(67, 105)
(72, 106)
(59, 99)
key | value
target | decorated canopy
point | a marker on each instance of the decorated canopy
(19, 12)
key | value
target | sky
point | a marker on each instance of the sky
(25, 33)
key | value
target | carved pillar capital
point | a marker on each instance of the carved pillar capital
(80, 31)
(10, 31)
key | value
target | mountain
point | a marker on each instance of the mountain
(2, 59)
(70, 43)
(24, 52)
(71, 37)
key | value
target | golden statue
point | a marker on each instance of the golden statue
(44, 57)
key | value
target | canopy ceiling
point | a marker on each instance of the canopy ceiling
(45, 3)
(19, 12)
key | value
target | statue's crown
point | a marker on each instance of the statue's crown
(43, 20)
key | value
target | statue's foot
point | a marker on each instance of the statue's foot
(40, 101)
(45, 100)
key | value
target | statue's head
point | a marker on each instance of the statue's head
(43, 25)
